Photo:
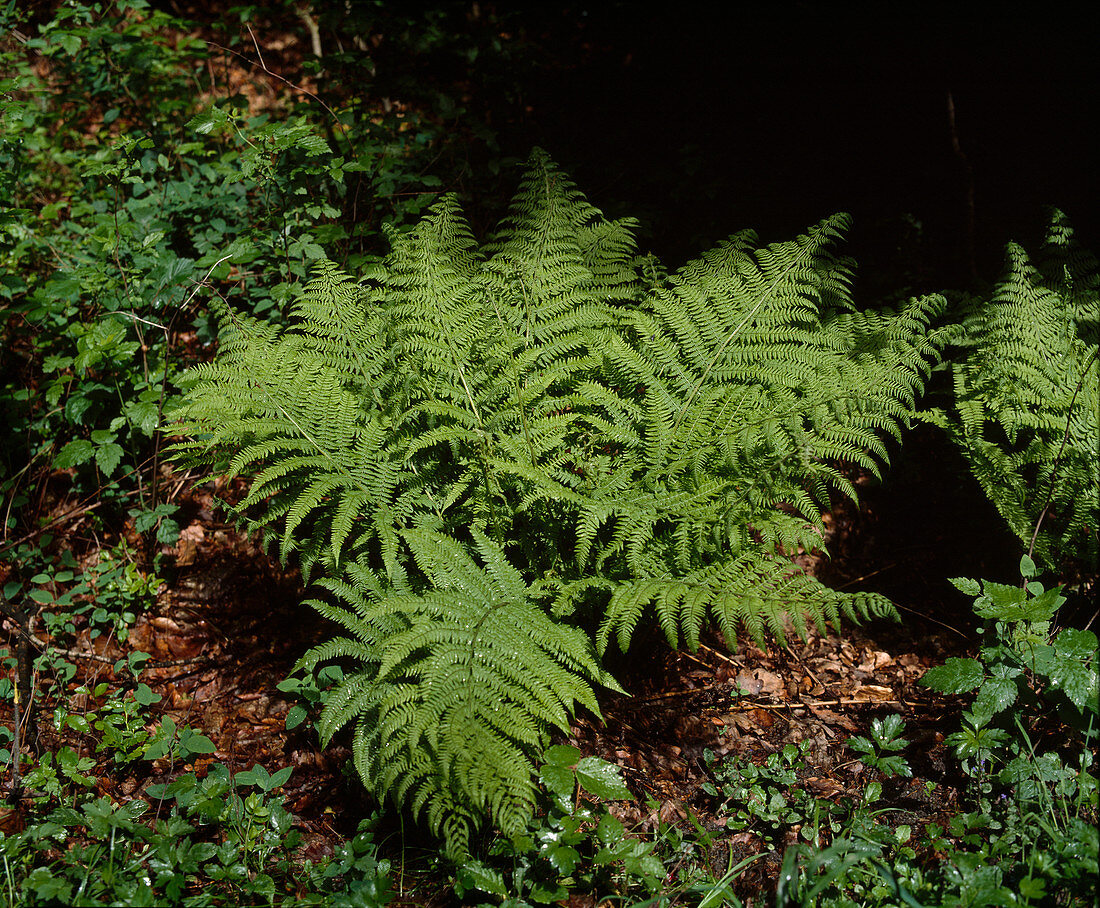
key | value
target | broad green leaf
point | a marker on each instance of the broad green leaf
(1071, 643)
(967, 586)
(74, 453)
(562, 755)
(210, 120)
(955, 676)
(1027, 567)
(602, 779)
(562, 858)
(145, 695)
(279, 778)
(559, 780)
(995, 696)
(108, 457)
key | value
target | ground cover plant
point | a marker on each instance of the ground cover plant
(603, 441)
(545, 437)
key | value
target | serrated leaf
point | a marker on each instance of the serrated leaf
(562, 858)
(74, 453)
(559, 780)
(1071, 643)
(602, 779)
(108, 457)
(562, 755)
(475, 875)
(209, 120)
(967, 586)
(955, 676)
(994, 696)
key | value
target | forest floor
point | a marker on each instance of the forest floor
(228, 625)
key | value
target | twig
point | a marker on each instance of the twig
(285, 81)
(721, 656)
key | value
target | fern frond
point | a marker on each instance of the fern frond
(1027, 398)
(458, 687)
(636, 441)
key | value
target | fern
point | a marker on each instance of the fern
(1027, 398)
(641, 444)
(456, 687)
(756, 378)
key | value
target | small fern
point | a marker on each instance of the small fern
(1027, 398)
(456, 686)
(639, 444)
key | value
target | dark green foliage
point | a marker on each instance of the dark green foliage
(1027, 398)
(629, 440)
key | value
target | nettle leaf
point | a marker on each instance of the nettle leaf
(559, 780)
(210, 121)
(74, 453)
(956, 676)
(1070, 665)
(967, 586)
(997, 692)
(108, 457)
(602, 779)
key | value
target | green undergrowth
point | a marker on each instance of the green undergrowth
(552, 441)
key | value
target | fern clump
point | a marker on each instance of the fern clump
(1027, 397)
(503, 455)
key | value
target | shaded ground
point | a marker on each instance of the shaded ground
(228, 627)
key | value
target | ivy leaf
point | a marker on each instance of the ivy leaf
(600, 778)
(955, 676)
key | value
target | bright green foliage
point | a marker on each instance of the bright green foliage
(1025, 655)
(632, 441)
(455, 687)
(577, 846)
(1027, 397)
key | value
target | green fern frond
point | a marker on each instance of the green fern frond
(1027, 398)
(637, 441)
(457, 688)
